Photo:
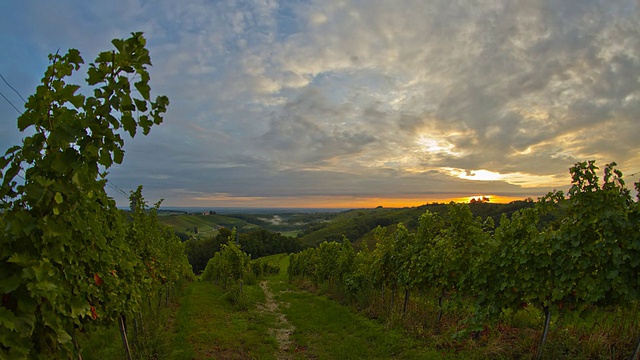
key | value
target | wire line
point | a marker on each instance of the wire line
(10, 103)
(115, 187)
(16, 91)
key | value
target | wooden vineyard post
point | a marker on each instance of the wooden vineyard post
(547, 321)
(125, 342)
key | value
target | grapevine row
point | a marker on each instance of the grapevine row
(585, 253)
(230, 266)
(70, 260)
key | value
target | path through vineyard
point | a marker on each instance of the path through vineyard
(283, 329)
(279, 321)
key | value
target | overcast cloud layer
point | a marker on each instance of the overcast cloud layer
(273, 101)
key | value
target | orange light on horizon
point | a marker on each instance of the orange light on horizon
(336, 202)
(493, 199)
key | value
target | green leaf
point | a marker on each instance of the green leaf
(118, 155)
(75, 179)
(25, 120)
(63, 337)
(7, 318)
(144, 89)
(4, 161)
(73, 56)
(27, 305)
(141, 105)
(10, 284)
(119, 44)
(129, 124)
(105, 158)
(79, 307)
(46, 286)
(77, 101)
(95, 76)
(58, 198)
(20, 259)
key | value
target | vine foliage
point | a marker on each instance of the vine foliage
(65, 260)
(587, 256)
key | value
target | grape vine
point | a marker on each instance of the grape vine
(70, 260)
(228, 266)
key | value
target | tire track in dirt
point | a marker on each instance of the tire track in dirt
(283, 331)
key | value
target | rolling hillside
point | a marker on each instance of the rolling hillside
(314, 228)
(207, 225)
(356, 225)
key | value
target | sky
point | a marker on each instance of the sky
(347, 104)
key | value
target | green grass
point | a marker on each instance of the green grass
(290, 233)
(331, 331)
(104, 343)
(155, 342)
(325, 329)
(209, 325)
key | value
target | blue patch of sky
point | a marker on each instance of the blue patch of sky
(338, 86)
(288, 21)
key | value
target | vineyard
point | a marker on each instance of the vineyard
(584, 258)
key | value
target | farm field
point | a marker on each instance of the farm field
(204, 225)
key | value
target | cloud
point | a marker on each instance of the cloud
(319, 98)
(310, 130)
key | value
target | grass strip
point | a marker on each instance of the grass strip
(210, 325)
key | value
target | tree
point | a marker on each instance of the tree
(199, 251)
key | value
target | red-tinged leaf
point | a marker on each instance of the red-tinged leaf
(97, 279)
(94, 314)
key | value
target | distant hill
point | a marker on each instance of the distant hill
(316, 227)
(357, 224)
(206, 224)
(202, 225)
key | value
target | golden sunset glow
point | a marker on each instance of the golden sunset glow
(520, 179)
(338, 202)
(493, 199)
(435, 145)
(482, 175)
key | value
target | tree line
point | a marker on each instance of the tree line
(256, 244)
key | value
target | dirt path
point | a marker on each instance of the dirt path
(283, 332)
